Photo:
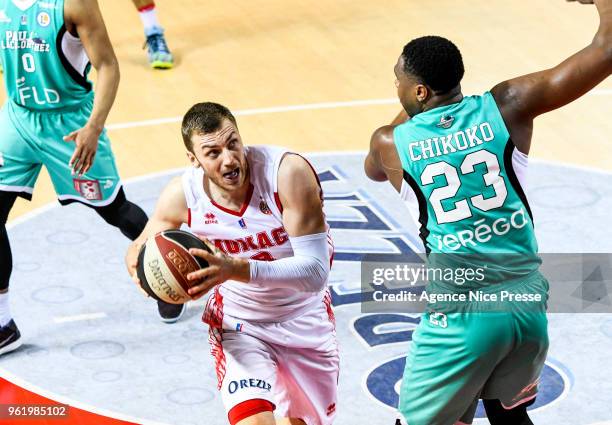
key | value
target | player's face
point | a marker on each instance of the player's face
(221, 155)
(410, 91)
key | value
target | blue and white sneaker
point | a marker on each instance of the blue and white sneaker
(10, 337)
(157, 49)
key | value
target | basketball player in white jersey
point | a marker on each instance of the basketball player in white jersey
(272, 329)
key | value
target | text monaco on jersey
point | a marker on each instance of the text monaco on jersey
(457, 141)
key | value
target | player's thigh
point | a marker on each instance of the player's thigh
(249, 376)
(20, 160)
(515, 379)
(100, 184)
(450, 360)
(262, 418)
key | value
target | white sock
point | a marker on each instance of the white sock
(149, 19)
(5, 311)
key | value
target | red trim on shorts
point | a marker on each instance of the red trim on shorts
(213, 316)
(148, 7)
(249, 408)
(189, 217)
(244, 207)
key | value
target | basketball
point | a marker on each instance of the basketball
(164, 262)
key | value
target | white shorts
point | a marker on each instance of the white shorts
(291, 367)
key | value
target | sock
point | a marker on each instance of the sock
(148, 16)
(5, 312)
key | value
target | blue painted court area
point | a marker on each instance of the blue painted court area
(91, 336)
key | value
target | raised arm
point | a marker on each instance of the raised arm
(522, 99)
(83, 18)
(170, 212)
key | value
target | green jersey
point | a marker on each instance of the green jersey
(462, 178)
(45, 67)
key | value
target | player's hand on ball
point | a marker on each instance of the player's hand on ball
(131, 261)
(221, 267)
(86, 141)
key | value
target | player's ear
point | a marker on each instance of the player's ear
(191, 157)
(422, 93)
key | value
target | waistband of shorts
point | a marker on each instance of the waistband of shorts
(266, 317)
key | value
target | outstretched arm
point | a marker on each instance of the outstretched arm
(522, 99)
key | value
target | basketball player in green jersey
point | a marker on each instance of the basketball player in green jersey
(459, 164)
(52, 118)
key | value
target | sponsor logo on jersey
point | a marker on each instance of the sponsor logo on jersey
(16, 40)
(43, 19)
(446, 121)
(260, 241)
(46, 5)
(210, 218)
(108, 184)
(242, 223)
(264, 208)
(248, 383)
(89, 189)
(3, 18)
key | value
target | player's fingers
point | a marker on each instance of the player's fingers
(204, 255)
(203, 273)
(202, 288)
(86, 165)
(75, 157)
(70, 137)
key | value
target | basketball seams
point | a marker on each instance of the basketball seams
(175, 257)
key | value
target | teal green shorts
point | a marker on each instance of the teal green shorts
(457, 358)
(29, 140)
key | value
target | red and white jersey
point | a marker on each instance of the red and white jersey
(256, 231)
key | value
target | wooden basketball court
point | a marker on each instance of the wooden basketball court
(277, 53)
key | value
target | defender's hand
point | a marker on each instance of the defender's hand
(86, 140)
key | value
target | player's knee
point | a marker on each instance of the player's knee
(498, 415)
(252, 412)
(125, 215)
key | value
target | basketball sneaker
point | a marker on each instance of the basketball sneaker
(170, 313)
(157, 49)
(10, 337)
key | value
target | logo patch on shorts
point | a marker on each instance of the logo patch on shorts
(89, 189)
(248, 383)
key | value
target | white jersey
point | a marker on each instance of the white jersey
(256, 231)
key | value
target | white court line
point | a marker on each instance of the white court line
(79, 317)
(290, 108)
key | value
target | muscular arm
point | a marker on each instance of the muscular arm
(83, 18)
(300, 196)
(170, 212)
(522, 99)
(382, 162)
